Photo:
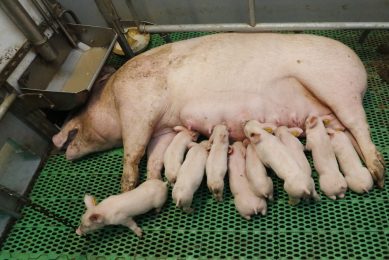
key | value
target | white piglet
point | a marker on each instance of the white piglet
(275, 155)
(216, 167)
(260, 183)
(288, 137)
(331, 180)
(358, 178)
(174, 154)
(190, 175)
(246, 202)
(120, 209)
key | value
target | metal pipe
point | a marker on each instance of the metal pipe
(24, 22)
(72, 14)
(45, 16)
(261, 27)
(49, 8)
(7, 102)
(252, 13)
(107, 9)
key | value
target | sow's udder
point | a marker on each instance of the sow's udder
(235, 109)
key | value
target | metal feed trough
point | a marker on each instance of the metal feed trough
(355, 227)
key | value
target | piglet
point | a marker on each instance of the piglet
(358, 178)
(246, 202)
(331, 181)
(120, 209)
(216, 167)
(190, 175)
(288, 137)
(260, 183)
(174, 154)
(275, 155)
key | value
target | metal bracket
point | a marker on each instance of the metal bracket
(14, 62)
(36, 101)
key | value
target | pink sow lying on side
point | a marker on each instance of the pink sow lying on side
(223, 78)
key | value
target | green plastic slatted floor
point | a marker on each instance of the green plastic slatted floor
(354, 227)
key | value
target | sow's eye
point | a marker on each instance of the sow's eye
(71, 135)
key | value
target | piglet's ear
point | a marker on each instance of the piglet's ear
(246, 142)
(295, 131)
(255, 137)
(311, 121)
(89, 201)
(230, 149)
(191, 144)
(179, 128)
(330, 131)
(195, 135)
(96, 218)
(327, 119)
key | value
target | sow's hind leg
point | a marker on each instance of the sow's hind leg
(342, 90)
(352, 115)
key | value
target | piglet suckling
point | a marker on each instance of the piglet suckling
(331, 180)
(260, 183)
(246, 202)
(274, 154)
(174, 154)
(358, 178)
(288, 137)
(190, 175)
(216, 166)
(120, 209)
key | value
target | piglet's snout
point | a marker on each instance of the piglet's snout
(79, 232)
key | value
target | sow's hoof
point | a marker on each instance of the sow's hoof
(378, 172)
(376, 167)
(127, 184)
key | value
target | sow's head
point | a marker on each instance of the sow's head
(71, 138)
(77, 135)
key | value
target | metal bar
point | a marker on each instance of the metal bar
(45, 16)
(14, 62)
(59, 23)
(26, 24)
(7, 102)
(28, 202)
(241, 27)
(110, 15)
(252, 13)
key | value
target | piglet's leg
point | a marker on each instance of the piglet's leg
(131, 224)
(155, 152)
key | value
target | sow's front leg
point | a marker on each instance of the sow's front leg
(139, 111)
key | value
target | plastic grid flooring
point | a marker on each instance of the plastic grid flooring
(354, 227)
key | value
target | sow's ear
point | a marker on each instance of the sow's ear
(89, 201)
